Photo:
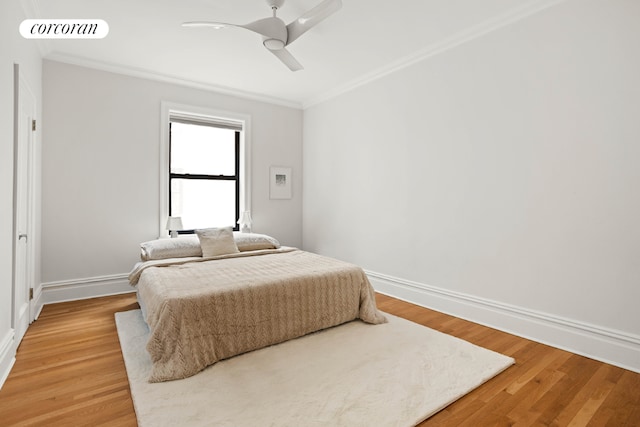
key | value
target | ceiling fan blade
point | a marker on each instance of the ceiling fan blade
(311, 18)
(272, 27)
(216, 25)
(285, 56)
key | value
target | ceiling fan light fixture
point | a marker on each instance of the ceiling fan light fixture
(273, 44)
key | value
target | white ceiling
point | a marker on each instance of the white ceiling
(363, 39)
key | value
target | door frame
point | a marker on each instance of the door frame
(23, 94)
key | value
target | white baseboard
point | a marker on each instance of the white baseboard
(7, 355)
(606, 345)
(92, 287)
(52, 292)
(37, 302)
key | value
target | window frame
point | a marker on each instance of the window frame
(243, 160)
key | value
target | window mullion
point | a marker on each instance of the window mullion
(170, 177)
(237, 152)
(197, 176)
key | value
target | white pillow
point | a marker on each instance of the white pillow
(189, 245)
(254, 241)
(179, 247)
(217, 241)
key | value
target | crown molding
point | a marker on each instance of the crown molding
(31, 10)
(151, 75)
(467, 35)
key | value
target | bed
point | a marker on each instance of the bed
(203, 307)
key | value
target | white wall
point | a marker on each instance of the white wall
(13, 49)
(504, 172)
(101, 169)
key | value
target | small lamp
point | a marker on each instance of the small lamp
(245, 222)
(174, 223)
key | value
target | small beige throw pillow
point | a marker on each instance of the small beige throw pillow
(217, 241)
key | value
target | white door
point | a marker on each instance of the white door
(24, 131)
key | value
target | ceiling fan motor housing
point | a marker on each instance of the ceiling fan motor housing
(274, 32)
(275, 3)
(273, 44)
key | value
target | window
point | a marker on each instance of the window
(204, 179)
(204, 167)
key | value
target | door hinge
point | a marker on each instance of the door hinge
(30, 294)
(33, 124)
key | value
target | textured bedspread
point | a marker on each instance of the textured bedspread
(201, 312)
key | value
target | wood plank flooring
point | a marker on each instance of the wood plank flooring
(69, 371)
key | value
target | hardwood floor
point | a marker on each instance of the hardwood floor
(546, 386)
(69, 371)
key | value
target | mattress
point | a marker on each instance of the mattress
(203, 310)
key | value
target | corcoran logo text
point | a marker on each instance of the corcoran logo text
(64, 29)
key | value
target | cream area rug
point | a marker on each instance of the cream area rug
(395, 374)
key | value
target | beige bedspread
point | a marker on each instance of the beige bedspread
(202, 311)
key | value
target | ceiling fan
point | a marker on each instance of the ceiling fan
(276, 35)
